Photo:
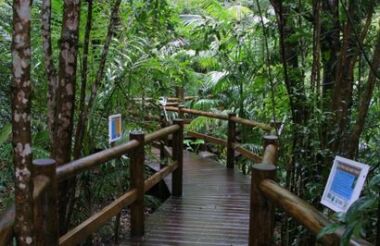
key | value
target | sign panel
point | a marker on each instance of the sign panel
(344, 185)
(114, 127)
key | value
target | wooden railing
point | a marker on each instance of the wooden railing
(266, 194)
(46, 178)
(231, 142)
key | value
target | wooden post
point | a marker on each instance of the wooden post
(270, 139)
(180, 112)
(136, 166)
(180, 93)
(46, 206)
(163, 142)
(178, 156)
(261, 220)
(270, 149)
(230, 141)
(117, 218)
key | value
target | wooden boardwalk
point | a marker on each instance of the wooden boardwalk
(214, 209)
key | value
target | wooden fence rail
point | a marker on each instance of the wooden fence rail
(265, 192)
(46, 177)
(181, 110)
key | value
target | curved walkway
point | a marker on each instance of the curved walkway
(214, 209)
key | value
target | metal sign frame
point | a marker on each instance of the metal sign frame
(345, 182)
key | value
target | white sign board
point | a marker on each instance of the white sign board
(344, 185)
(114, 127)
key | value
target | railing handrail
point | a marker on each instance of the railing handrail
(303, 212)
(265, 192)
(7, 219)
(220, 116)
(42, 186)
(77, 166)
(139, 186)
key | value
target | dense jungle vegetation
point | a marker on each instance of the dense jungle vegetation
(313, 65)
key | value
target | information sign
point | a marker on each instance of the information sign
(344, 185)
(114, 127)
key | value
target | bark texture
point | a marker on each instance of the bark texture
(50, 69)
(21, 121)
(65, 98)
(80, 126)
(66, 82)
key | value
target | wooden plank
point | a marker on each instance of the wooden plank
(207, 138)
(89, 226)
(214, 209)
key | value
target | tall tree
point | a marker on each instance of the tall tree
(50, 69)
(21, 118)
(65, 95)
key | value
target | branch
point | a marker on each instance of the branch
(80, 125)
(83, 117)
(365, 100)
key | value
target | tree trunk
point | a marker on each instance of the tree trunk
(21, 121)
(66, 95)
(80, 126)
(49, 65)
(83, 117)
(365, 99)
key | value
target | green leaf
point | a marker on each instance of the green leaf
(5, 133)
(331, 228)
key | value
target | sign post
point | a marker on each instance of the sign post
(114, 134)
(344, 184)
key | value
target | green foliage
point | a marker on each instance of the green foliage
(225, 52)
(5, 133)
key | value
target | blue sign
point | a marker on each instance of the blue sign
(114, 128)
(344, 185)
